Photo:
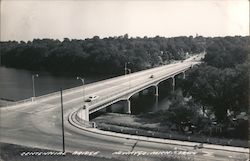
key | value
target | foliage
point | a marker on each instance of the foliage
(183, 112)
(227, 52)
(97, 55)
(221, 83)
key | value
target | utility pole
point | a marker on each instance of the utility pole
(33, 86)
(62, 121)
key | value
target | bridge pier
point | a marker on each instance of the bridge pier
(156, 102)
(184, 75)
(128, 106)
(156, 90)
(173, 83)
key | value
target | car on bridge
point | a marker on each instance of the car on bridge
(152, 76)
(91, 98)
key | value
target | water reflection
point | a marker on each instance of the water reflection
(146, 101)
(155, 107)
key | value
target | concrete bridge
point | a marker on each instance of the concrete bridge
(108, 91)
(122, 89)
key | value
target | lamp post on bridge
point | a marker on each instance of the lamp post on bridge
(129, 108)
(33, 85)
(129, 72)
(125, 68)
(83, 92)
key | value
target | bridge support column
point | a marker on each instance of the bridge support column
(86, 109)
(128, 106)
(156, 102)
(173, 83)
(184, 75)
(156, 90)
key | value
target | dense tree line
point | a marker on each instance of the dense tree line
(221, 83)
(220, 86)
(95, 55)
(214, 93)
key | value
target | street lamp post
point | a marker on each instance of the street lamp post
(33, 85)
(83, 93)
(129, 71)
(125, 68)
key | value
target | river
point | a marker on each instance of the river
(16, 84)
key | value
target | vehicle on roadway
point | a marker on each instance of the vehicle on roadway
(152, 76)
(91, 98)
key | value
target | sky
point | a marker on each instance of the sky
(79, 19)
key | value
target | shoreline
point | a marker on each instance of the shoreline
(6, 102)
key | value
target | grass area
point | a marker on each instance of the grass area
(130, 124)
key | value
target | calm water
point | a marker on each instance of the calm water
(16, 84)
(146, 101)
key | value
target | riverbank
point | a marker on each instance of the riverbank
(134, 125)
(5, 102)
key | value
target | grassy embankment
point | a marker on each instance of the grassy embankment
(131, 124)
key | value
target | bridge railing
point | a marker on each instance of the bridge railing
(25, 101)
(77, 89)
(87, 86)
(83, 122)
(94, 84)
(117, 95)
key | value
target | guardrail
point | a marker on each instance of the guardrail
(25, 101)
(167, 140)
(173, 136)
(83, 122)
(119, 94)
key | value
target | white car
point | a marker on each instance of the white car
(91, 98)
